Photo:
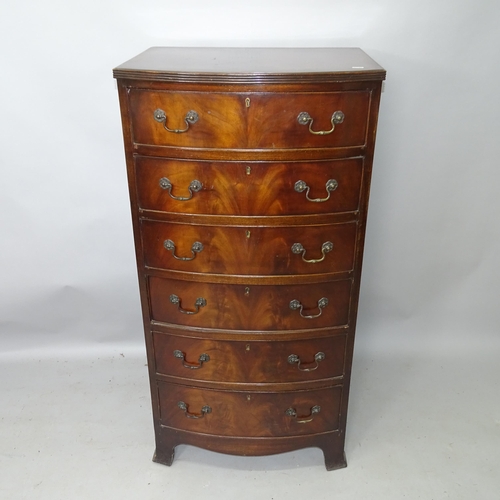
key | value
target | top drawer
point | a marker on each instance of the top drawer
(249, 120)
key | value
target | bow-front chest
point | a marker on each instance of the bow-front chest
(249, 173)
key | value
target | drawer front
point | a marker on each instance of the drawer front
(220, 122)
(249, 188)
(250, 414)
(249, 361)
(274, 120)
(249, 250)
(255, 307)
(249, 120)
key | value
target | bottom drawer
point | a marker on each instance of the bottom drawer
(249, 414)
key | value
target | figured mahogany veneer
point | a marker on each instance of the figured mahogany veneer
(255, 307)
(250, 414)
(261, 250)
(227, 188)
(268, 121)
(249, 361)
(249, 172)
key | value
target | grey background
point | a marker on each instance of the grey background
(428, 326)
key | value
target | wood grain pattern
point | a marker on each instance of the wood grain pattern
(257, 307)
(231, 65)
(249, 250)
(251, 414)
(269, 121)
(267, 190)
(272, 120)
(249, 361)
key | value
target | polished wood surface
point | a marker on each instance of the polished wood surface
(265, 65)
(256, 307)
(249, 120)
(249, 413)
(258, 364)
(227, 188)
(262, 250)
(249, 361)
(330, 442)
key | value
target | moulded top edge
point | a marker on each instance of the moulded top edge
(245, 65)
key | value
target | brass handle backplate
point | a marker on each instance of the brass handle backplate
(295, 304)
(192, 366)
(297, 248)
(193, 187)
(199, 302)
(190, 118)
(185, 408)
(319, 356)
(304, 118)
(196, 247)
(292, 412)
(331, 185)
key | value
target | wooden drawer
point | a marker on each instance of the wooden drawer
(249, 361)
(249, 414)
(249, 250)
(249, 188)
(249, 120)
(220, 121)
(256, 307)
(273, 120)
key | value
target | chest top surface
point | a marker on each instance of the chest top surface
(245, 65)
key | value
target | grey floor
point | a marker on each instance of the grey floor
(79, 427)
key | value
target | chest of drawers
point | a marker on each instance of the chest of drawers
(249, 172)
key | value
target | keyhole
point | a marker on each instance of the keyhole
(248, 234)
(247, 102)
(247, 291)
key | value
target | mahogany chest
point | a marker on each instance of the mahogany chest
(249, 173)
